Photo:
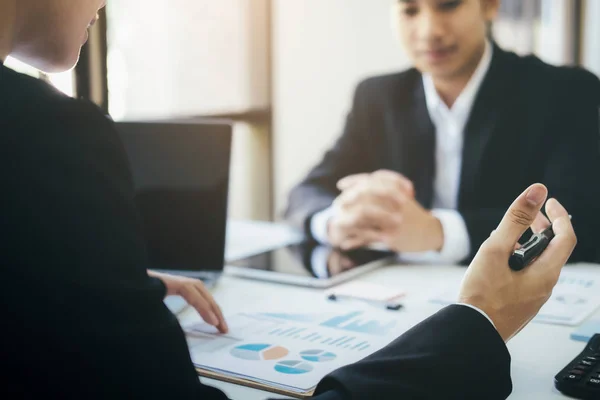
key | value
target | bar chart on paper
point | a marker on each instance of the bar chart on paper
(351, 321)
(318, 338)
(353, 324)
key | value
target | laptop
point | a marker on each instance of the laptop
(180, 173)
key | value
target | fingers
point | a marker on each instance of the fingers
(362, 226)
(367, 217)
(351, 180)
(348, 238)
(560, 248)
(555, 210)
(519, 217)
(398, 179)
(349, 231)
(389, 178)
(216, 310)
(361, 239)
(540, 223)
(372, 192)
(198, 297)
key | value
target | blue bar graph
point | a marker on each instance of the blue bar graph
(338, 340)
(359, 345)
(287, 331)
(342, 342)
(346, 341)
(337, 321)
(295, 331)
(348, 322)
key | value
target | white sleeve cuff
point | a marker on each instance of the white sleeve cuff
(457, 245)
(318, 225)
(479, 311)
(319, 260)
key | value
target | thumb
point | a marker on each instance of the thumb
(351, 180)
(519, 216)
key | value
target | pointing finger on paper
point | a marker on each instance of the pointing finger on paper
(196, 295)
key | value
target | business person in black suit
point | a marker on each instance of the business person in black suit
(431, 157)
(82, 318)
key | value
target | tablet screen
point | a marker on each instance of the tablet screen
(309, 260)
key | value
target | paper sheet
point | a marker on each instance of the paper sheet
(575, 297)
(290, 351)
(588, 329)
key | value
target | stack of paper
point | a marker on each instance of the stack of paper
(288, 353)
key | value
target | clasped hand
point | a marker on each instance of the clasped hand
(381, 208)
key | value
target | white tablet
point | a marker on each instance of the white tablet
(309, 265)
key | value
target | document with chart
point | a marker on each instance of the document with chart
(575, 297)
(289, 352)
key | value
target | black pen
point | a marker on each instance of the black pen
(533, 248)
(392, 306)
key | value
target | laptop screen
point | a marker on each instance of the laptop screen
(181, 177)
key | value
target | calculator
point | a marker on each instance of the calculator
(581, 377)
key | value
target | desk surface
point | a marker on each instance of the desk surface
(538, 352)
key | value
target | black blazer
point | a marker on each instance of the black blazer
(81, 319)
(530, 122)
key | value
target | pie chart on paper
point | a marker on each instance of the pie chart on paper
(317, 355)
(258, 352)
(293, 367)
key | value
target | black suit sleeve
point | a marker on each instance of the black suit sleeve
(455, 354)
(351, 154)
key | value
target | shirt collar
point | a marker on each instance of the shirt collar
(465, 100)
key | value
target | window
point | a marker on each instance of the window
(187, 58)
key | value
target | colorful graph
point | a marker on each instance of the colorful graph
(349, 322)
(293, 367)
(292, 317)
(317, 355)
(318, 338)
(289, 332)
(257, 352)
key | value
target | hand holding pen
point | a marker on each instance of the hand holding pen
(538, 242)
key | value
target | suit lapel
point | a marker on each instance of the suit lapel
(420, 146)
(481, 123)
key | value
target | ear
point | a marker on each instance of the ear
(490, 9)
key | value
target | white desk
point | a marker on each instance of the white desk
(538, 352)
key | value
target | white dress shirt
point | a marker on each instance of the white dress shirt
(450, 125)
